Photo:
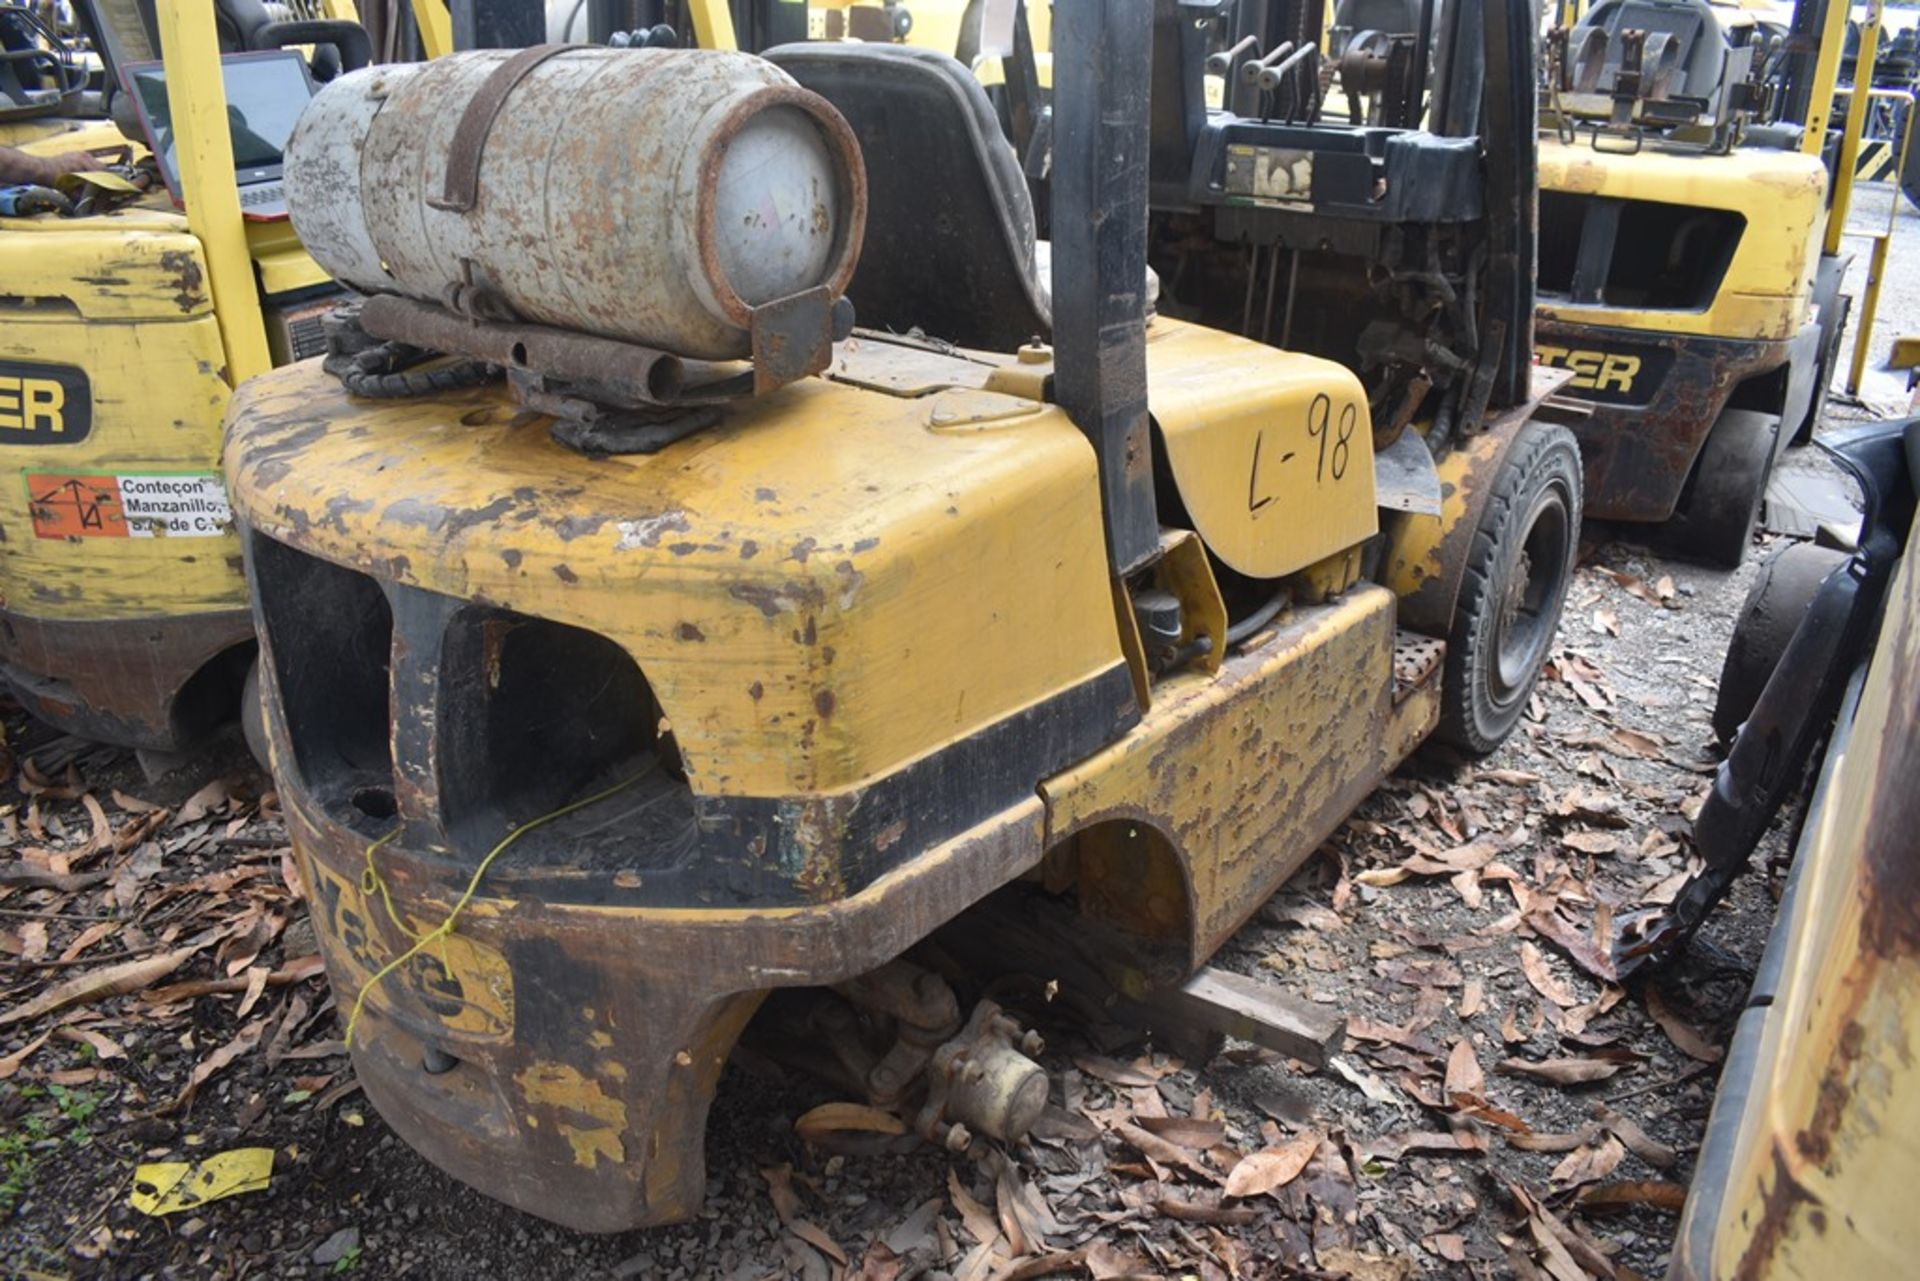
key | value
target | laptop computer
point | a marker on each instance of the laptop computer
(265, 94)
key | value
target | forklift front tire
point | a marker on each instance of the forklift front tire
(1517, 572)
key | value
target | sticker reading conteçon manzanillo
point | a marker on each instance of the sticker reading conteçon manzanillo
(143, 505)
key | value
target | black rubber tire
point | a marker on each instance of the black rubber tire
(1780, 595)
(1823, 373)
(1722, 505)
(253, 717)
(1518, 568)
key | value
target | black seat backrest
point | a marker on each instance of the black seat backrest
(949, 245)
(1393, 17)
(1692, 24)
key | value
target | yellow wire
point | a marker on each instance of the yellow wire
(371, 882)
(445, 928)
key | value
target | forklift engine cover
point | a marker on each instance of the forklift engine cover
(655, 196)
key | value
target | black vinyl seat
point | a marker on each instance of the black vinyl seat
(950, 243)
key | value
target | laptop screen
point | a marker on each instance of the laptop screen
(265, 95)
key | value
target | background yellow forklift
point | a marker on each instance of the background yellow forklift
(1690, 263)
(720, 653)
(125, 320)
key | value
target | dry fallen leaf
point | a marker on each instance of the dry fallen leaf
(1638, 1142)
(1392, 1147)
(1543, 979)
(1658, 1194)
(111, 980)
(1114, 1072)
(1540, 1142)
(1572, 1071)
(1025, 1216)
(1356, 1265)
(1271, 1168)
(1591, 1163)
(1203, 1212)
(1587, 842)
(1689, 1040)
(1464, 1075)
(974, 1217)
(819, 1240)
(1638, 743)
(830, 1118)
(243, 1041)
(1187, 1132)
(11, 1064)
(786, 1202)
(1155, 1148)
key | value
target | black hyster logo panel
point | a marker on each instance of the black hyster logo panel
(44, 404)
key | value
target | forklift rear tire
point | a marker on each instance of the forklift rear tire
(1716, 520)
(1786, 585)
(1518, 568)
(253, 717)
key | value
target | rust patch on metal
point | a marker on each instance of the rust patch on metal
(1890, 919)
(1638, 455)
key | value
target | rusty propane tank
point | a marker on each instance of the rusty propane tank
(655, 196)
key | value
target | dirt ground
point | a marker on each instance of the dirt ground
(1494, 1095)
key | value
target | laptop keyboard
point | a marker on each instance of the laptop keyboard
(264, 198)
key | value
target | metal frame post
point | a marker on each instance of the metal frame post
(197, 100)
(1101, 73)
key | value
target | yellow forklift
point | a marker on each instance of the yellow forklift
(1690, 253)
(713, 557)
(128, 319)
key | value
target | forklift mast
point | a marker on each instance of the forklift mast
(1399, 239)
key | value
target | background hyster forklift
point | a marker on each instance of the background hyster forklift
(687, 680)
(1690, 269)
(123, 327)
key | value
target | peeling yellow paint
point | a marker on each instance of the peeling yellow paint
(592, 1121)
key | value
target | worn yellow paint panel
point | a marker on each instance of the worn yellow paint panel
(139, 264)
(786, 580)
(1768, 287)
(156, 396)
(591, 1120)
(1272, 451)
(1248, 771)
(1827, 1159)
